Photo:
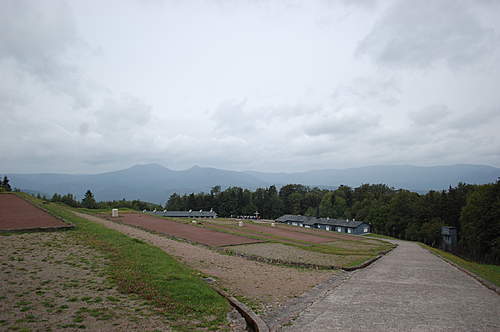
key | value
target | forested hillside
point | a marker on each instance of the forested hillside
(473, 209)
(153, 183)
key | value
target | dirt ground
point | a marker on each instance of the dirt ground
(318, 232)
(266, 225)
(286, 253)
(50, 283)
(284, 233)
(184, 231)
(270, 285)
(18, 214)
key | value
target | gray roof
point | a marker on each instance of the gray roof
(187, 214)
(306, 220)
(324, 221)
(291, 217)
(448, 230)
(340, 222)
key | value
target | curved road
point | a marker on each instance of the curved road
(409, 289)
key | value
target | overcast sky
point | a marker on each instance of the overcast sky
(90, 86)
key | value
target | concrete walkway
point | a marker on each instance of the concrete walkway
(407, 290)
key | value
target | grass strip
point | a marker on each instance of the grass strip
(486, 271)
(139, 268)
(105, 211)
(380, 236)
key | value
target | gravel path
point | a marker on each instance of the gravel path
(407, 290)
(259, 282)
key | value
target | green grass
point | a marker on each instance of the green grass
(329, 249)
(253, 305)
(107, 210)
(486, 271)
(139, 268)
(380, 236)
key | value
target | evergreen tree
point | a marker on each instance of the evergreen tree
(56, 198)
(5, 184)
(326, 205)
(480, 221)
(274, 206)
(88, 201)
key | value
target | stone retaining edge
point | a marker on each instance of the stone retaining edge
(276, 261)
(363, 265)
(254, 321)
(368, 262)
(269, 260)
(38, 229)
(481, 280)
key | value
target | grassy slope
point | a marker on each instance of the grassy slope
(140, 268)
(380, 236)
(488, 272)
(108, 211)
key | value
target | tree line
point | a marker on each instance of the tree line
(5, 184)
(89, 202)
(473, 209)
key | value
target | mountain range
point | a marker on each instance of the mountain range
(155, 183)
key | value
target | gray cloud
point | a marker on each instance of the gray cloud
(238, 85)
(45, 101)
(366, 89)
(342, 123)
(365, 4)
(40, 40)
(430, 114)
(122, 116)
(476, 118)
(84, 128)
(232, 117)
(425, 32)
(37, 50)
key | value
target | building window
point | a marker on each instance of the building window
(365, 230)
(339, 229)
(327, 228)
(349, 230)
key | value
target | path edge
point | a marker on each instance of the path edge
(481, 280)
(254, 321)
(370, 261)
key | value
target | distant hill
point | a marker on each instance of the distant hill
(151, 182)
(156, 183)
(415, 178)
